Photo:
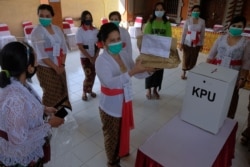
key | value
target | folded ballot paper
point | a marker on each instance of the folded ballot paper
(158, 51)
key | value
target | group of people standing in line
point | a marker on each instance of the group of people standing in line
(25, 119)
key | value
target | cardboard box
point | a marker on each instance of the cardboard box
(208, 95)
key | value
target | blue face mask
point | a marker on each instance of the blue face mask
(115, 48)
(195, 14)
(45, 21)
(234, 31)
(159, 14)
(88, 22)
(116, 23)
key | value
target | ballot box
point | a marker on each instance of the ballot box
(208, 95)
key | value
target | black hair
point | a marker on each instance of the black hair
(46, 7)
(105, 30)
(15, 57)
(83, 16)
(238, 19)
(164, 18)
(115, 13)
(196, 6)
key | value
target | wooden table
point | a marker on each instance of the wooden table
(179, 144)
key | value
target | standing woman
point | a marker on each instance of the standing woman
(232, 51)
(115, 17)
(86, 38)
(115, 69)
(50, 46)
(158, 25)
(22, 128)
(192, 40)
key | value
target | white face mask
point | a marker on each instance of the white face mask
(159, 13)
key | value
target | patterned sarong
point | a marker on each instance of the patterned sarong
(111, 131)
(54, 87)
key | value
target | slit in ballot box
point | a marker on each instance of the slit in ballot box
(158, 51)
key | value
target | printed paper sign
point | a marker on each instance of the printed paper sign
(156, 45)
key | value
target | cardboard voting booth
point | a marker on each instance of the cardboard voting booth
(208, 95)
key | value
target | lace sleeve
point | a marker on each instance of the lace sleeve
(22, 130)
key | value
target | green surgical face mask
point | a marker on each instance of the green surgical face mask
(45, 21)
(116, 23)
(234, 31)
(195, 14)
(115, 48)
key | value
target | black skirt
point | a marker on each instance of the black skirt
(154, 80)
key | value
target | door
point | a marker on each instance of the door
(213, 11)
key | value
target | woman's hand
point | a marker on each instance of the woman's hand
(55, 121)
(49, 110)
(139, 68)
(181, 47)
(59, 70)
(201, 48)
(92, 60)
(241, 83)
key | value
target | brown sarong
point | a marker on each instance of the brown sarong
(54, 87)
(190, 56)
(111, 131)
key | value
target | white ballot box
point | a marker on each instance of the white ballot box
(208, 95)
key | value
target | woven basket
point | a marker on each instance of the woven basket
(155, 61)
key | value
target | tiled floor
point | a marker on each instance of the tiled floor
(81, 145)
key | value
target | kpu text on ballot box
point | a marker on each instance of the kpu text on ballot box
(208, 95)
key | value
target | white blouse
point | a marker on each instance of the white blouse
(42, 40)
(189, 27)
(125, 37)
(89, 38)
(239, 51)
(21, 117)
(110, 76)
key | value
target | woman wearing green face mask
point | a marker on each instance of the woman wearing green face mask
(115, 68)
(192, 40)
(51, 49)
(232, 51)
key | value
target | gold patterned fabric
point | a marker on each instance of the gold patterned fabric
(111, 131)
(89, 71)
(54, 87)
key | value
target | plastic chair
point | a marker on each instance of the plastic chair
(218, 28)
(27, 23)
(27, 32)
(138, 22)
(135, 31)
(71, 23)
(5, 35)
(104, 20)
(70, 36)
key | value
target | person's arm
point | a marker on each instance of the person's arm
(184, 34)
(18, 126)
(244, 72)
(63, 46)
(80, 44)
(148, 28)
(202, 36)
(213, 52)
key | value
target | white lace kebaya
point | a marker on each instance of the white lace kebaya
(21, 116)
